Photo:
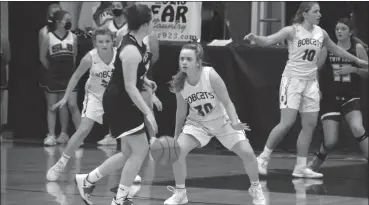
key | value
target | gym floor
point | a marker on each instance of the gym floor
(214, 178)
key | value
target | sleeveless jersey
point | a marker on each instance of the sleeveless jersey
(116, 86)
(340, 85)
(123, 30)
(303, 51)
(202, 100)
(61, 54)
(100, 74)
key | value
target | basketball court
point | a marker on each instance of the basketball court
(214, 178)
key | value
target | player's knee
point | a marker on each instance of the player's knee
(73, 107)
(357, 129)
(244, 150)
(309, 124)
(330, 143)
(362, 137)
(286, 124)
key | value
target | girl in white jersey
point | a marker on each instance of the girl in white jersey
(211, 113)
(100, 62)
(299, 90)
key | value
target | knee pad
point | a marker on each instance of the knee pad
(362, 138)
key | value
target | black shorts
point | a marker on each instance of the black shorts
(332, 107)
(122, 115)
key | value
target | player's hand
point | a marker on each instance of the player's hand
(59, 104)
(250, 37)
(361, 63)
(157, 102)
(241, 126)
(346, 70)
(151, 119)
(151, 84)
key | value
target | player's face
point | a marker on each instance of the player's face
(188, 61)
(342, 31)
(103, 43)
(313, 15)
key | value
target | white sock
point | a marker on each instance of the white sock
(94, 176)
(180, 186)
(255, 183)
(64, 159)
(301, 161)
(266, 153)
(122, 192)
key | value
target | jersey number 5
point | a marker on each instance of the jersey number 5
(204, 109)
(309, 55)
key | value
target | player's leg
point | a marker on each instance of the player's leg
(64, 122)
(139, 149)
(192, 136)
(309, 112)
(354, 119)
(237, 142)
(330, 118)
(290, 97)
(74, 110)
(51, 99)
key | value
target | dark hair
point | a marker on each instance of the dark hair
(137, 15)
(354, 39)
(48, 13)
(178, 80)
(305, 6)
(102, 31)
(124, 3)
(58, 16)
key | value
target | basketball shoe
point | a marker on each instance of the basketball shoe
(179, 196)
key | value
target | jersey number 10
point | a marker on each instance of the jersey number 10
(309, 55)
(204, 109)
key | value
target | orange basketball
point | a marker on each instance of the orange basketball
(165, 150)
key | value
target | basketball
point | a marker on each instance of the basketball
(165, 150)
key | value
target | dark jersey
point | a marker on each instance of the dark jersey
(339, 85)
(116, 85)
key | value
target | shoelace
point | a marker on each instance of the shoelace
(177, 196)
(258, 193)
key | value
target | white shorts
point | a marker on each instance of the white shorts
(298, 94)
(220, 128)
(93, 108)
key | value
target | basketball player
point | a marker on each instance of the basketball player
(340, 86)
(100, 61)
(122, 98)
(45, 77)
(299, 89)
(119, 28)
(4, 66)
(211, 113)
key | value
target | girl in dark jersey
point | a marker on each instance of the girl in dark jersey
(340, 86)
(58, 51)
(4, 63)
(125, 108)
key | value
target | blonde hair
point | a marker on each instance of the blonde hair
(102, 31)
(305, 6)
(178, 80)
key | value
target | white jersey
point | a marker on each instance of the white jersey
(61, 46)
(303, 52)
(118, 32)
(100, 74)
(202, 100)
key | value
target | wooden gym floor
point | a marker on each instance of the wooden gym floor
(214, 178)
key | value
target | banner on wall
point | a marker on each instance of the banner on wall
(172, 20)
(176, 20)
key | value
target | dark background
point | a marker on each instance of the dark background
(252, 75)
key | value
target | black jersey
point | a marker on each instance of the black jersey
(339, 85)
(117, 80)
